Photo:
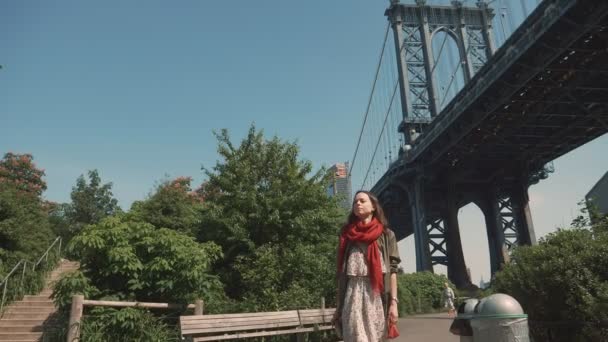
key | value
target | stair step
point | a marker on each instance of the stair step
(35, 298)
(26, 315)
(7, 322)
(28, 303)
(35, 308)
(22, 328)
(20, 336)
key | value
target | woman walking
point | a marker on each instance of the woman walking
(368, 261)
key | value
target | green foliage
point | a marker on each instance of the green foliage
(134, 260)
(59, 221)
(25, 232)
(174, 205)
(563, 279)
(129, 324)
(420, 292)
(69, 285)
(276, 278)
(90, 202)
(272, 219)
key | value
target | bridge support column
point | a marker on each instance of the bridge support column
(457, 269)
(429, 61)
(522, 215)
(404, 86)
(486, 17)
(421, 235)
(463, 45)
(494, 227)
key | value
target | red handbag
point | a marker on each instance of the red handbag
(392, 330)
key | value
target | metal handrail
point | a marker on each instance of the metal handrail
(46, 253)
(4, 281)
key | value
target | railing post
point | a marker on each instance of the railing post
(22, 276)
(75, 318)
(198, 307)
(3, 295)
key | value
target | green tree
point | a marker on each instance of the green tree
(91, 202)
(24, 227)
(563, 279)
(273, 219)
(174, 205)
(21, 173)
(25, 231)
(59, 220)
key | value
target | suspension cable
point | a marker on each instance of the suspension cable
(369, 102)
(382, 131)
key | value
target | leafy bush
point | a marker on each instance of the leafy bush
(281, 279)
(420, 292)
(563, 282)
(134, 260)
(69, 285)
(127, 324)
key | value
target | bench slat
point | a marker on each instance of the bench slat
(317, 311)
(256, 334)
(315, 320)
(316, 316)
(236, 321)
(239, 326)
(275, 314)
(277, 325)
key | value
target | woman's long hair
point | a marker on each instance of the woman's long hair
(378, 212)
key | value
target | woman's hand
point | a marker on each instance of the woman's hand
(393, 313)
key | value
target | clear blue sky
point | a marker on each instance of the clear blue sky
(135, 88)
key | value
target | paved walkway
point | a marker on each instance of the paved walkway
(426, 328)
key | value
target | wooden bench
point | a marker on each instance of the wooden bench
(245, 325)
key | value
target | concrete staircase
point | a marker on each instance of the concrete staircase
(25, 320)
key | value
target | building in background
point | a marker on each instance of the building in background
(340, 184)
(597, 197)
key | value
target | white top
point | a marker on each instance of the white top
(356, 265)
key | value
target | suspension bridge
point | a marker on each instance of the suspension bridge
(471, 102)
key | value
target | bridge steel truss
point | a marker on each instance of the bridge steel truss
(414, 27)
(542, 94)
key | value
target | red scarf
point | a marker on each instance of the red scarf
(365, 233)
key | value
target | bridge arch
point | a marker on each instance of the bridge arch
(445, 29)
(474, 239)
(448, 68)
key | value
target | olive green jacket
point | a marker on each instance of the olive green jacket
(388, 246)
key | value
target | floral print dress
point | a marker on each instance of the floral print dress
(362, 314)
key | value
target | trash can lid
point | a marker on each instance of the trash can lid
(498, 306)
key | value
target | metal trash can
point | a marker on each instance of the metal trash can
(499, 318)
(462, 323)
